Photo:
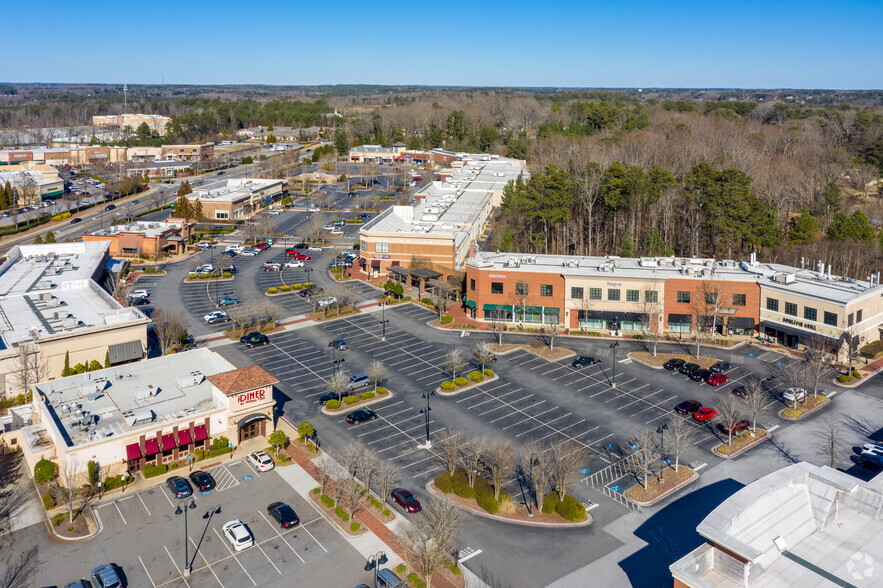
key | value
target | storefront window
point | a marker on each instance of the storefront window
(496, 287)
(679, 327)
(651, 296)
(576, 293)
(810, 314)
(634, 326)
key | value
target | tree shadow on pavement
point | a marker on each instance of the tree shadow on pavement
(864, 427)
(671, 534)
(784, 452)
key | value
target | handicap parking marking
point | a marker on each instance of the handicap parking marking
(225, 480)
(206, 492)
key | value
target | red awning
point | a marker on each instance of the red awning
(199, 433)
(183, 437)
(375, 263)
(133, 452)
(395, 263)
(151, 447)
(168, 442)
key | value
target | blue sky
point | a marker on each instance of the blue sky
(809, 44)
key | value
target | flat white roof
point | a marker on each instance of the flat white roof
(232, 190)
(145, 228)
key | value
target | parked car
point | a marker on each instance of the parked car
(294, 263)
(301, 246)
(363, 414)
(315, 248)
(106, 576)
(688, 368)
(78, 584)
(688, 406)
(365, 215)
(139, 302)
(273, 266)
(205, 268)
(261, 246)
(202, 480)
(314, 209)
(699, 375)
(341, 264)
(306, 292)
(871, 462)
(673, 364)
(720, 367)
(261, 460)
(740, 426)
(237, 535)
(338, 344)
(254, 339)
(249, 252)
(218, 316)
(228, 300)
(406, 500)
(794, 395)
(147, 311)
(301, 256)
(706, 413)
(330, 396)
(336, 232)
(358, 381)
(583, 360)
(179, 487)
(327, 228)
(138, 294)
(716, 379)
(284, 514)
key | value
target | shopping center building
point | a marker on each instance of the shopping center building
(227, 200)
(152, 412)
(148, 239)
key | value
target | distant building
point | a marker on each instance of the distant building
(194, 153)
(282, 134)
(233, 199)
(156, 122)
(32, 182)
(148, 239)
(158, 169)
(800, 526)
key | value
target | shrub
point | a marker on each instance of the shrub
(174, 465)
(367, 395)
(455, 570)
(272, 290)
(92, 468)
(220, 443)
(489, 372)
(332, 404)
(488, 503)
(341, 514)
(199, 454)
(70, 529)
(386, 512)
(327, 500)
(57, 519)
(115, 482)
(461, 484)
(44, 471)
(571, 509)
(350, 399)
(412, 577)
(154, 470)
(855, 373)
(447, 385)
(285, 288)
(872, 348)
(202, 277)
(444, 483)
(550, 502)
(447, 319)
(461, 381)
(48, 502)
(427, 301)
(400, 569)
(476, 376)
(191, 276)
(844, 379)
(315, 490)
(381, 390)
(297, 286)
(226, 275)
(354, 527)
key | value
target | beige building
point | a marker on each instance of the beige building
(228, 200)
(156, 122)
(51, 307)
(149, 239)
(148, 413)
(197, 153)
(32, 182)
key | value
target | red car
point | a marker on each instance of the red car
(737, 428)
(301, 256)
(704, 414)
(406, 500)
(716, 379)
(261, 246)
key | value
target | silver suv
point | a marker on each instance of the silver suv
(358, 381)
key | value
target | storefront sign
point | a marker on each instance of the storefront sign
(615, 284)
(498, 276)
(798, 323)
(255, 396)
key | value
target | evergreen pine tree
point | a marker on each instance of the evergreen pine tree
(38, 240)
(107, 359)
(50, 237)
(67, 365)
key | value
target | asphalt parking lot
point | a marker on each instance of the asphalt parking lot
(146, 539)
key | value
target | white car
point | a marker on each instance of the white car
(214, 315)
(294, 263)
(261, 460)
(238, 535)
(327, 302)
(873, 447)
(204, 245)
(315, 248)
(336, 231)
(248, 253)
(205, 268)
(274, 213)
(328, 228)
(315, 209)
(138, 294)
(236, 248)
(794, 394)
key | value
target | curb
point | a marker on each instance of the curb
(807, 413)
(478, 512)
(570, 353)
(468, 386)
(208, 280)
(662, 496)
(743, 449)
(856, 383)
(506, 352)
(343, 409)
(643, 363)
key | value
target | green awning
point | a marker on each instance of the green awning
(551, 310)
(531, 309)
(470, 303)
(497, 307)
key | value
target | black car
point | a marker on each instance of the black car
(583, 360)
(254, 338)
(699, 375)
(202, 480)
(720, 367)
(363, 414)
(179, 487)
(673, 364)
(338, 344)
(284, 514)
(148, 310)
(330, 396)
(75, 221)
(740, 391)
(306, 292)
(139, 302)
(688, 368)
(688, 406)
(301, 246)
(110, 207)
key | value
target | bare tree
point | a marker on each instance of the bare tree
(650, 310)
(367, 466)
(499, 459)
(337, 384)
(427, 542)
(680, 434)
(565, 460)
(454, 363)
(518, 298)
(549, 332)
(313, 227)
(534, 464)
(29, 367)
(756, 399)
(829, 439)
(119, 287)
(471, 456)
(351, 457)
(730, 411)
(271, 311)
(350, 496)
(792, 377)
(640, 462)
(170, 327)
(818, 362)
(447, 447)
(68, 484)
(498, 325)
(377, 372)
(482, 355)
(387, 478)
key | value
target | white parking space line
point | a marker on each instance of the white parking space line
(537, 416)
(196, 548)
(176, 566)
(516, 411)
(121, 512)
(547, 423)
(172, 504)
(233, 554)
(313, 538)
(152, 583)
(278, 534)
(258, 545)
(144, 505)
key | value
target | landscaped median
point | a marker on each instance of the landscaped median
(288, 289)
(449, 388)
(341, 501)
(536, 347)
(202, 278)
(479, 499)
(658, 360)
(354, 401)
(657, 490)
(805, 408)
(741, 443)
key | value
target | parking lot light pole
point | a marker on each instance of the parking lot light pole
(188, 503)
(613, 346)
(661, 430)
(425, 412)
(383, 320)
(374, 562)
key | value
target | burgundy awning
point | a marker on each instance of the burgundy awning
(168, 442)
(395, 263)
(133, 452)
(375, 263)
(183, 437)
(151, 447)
(199, 433)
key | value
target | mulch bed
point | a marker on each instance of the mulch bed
(659, 359)
(511, 510)
(78, 528)
(804, 408)
(360, 402)
(654, 488)
(505, 348)
(550, 354)
(741, 443)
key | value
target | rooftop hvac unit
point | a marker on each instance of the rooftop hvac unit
(144, 393)
(784, 278)
(69, 323)
(190, 379)
(52, 303)
(648, 262)
(140, 416)
(513, 262)
(92, 386)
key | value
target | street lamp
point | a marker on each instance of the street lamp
(425, 413)
(613, 346)
(188, 503)
(382, 304)
(374, 563)
(661, 430)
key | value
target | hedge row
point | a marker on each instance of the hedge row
(327, 501)
(154, 470)
(115, 482)
(482, 492)
(570, 508)
(476, 376)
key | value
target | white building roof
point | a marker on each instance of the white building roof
(145, 228)
(232, 190)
